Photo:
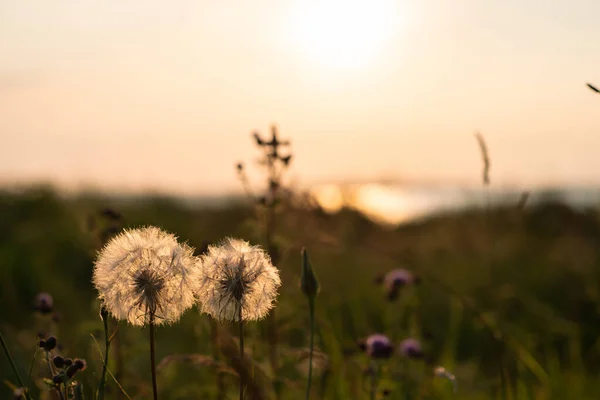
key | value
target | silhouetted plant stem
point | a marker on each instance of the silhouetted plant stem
(100, 392)
(52, 374)
(309, 285)
(311, 308)
(271, 325)
(152, 357)
(241, 323)
(12, 364)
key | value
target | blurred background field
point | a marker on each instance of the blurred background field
(508, 299)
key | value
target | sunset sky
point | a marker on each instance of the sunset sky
(154, 95)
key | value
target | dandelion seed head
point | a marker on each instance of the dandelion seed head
(236, 275)
(144, 272)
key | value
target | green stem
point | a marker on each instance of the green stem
(100, 392)
(10, 359)
(374, 373)
(152, 358)
(31, 369)
(311, 307)
(241, 322)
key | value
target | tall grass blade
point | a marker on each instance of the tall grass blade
(12, 364)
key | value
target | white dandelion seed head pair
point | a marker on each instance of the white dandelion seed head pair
(144, 274)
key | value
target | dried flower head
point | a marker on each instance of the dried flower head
(411, 348)
(145, 273)
(377, 346)
(237, 277)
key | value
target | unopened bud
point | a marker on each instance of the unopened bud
(49, 344)
(80, 364)
(309, 283)
(58, 361)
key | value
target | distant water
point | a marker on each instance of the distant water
(396, 204)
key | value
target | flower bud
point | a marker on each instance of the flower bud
(49, 344)
(80, 364)
(308, 283)
(58, 361)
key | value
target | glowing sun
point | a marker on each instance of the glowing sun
(341, 34)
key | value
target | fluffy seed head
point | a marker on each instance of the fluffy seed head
(237, 276)
(144, 273)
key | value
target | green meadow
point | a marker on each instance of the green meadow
(507, 301)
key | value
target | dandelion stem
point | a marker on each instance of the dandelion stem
(311, 307)
(100, 393)
(241, 351)
(12, 364)
(152, 358)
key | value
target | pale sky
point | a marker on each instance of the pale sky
(133, 95)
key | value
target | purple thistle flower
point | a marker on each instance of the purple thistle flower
(396, 279)
(377, 346)
(44, 303)
(411, 348)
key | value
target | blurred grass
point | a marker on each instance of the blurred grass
(529, 275)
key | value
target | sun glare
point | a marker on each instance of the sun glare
(341, 34)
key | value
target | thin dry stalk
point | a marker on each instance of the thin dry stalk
(485, 158)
